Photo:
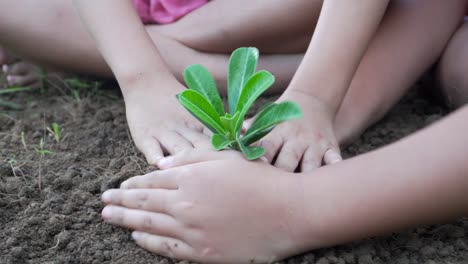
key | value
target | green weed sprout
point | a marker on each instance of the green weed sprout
(245, 85)
(55, 131)
(42, 150)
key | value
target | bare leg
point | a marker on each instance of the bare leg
(406, 29)
(408, 42)
(65, 44)
(452, 69)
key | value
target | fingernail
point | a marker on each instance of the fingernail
(154, 161)
(136, 235)
(124, 185)
(165, 162)
(5, 68)
(106, 213)
(106, 197)
(335, 158)
(264, 159)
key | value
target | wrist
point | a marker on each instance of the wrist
(309, 101)
(149, 82)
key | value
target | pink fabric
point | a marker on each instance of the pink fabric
(165, 11)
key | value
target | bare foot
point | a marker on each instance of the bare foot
(18, 72)
(23, 74)
(213, 211)
(303, 144)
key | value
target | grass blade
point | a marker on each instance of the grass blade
(14, 90)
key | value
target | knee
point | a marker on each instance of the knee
(453, 68)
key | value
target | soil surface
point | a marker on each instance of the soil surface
(49, 194)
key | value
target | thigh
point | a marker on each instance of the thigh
(274, 26)
(452, 70)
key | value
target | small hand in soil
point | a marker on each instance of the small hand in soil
(212, 211)
(19, 73)
(304, 144)
(159, 125)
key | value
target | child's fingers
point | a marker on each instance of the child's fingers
(191, 156)
(290, 156)
(207, 132)
(174, 143)
(154, 200)
(157, 223)
(164, 246)
(272, 145)
(311, 160)
(246, 125)
(332, 156)
(152, 180)
(197, 138)
(152, 151)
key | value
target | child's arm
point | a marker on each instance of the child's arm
(123, 41)
(342, 35)
(423, 179)
(156, 121)
(340, 39)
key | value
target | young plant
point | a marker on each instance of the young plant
(245, 85)
(41, 150)
(55, 131)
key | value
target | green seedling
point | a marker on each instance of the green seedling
(42, 150)
(55, 131)
(245, 85)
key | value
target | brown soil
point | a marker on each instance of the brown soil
(50, 206)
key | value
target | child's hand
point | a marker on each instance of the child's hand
(221, 211)
(305, 143)
(159, 124)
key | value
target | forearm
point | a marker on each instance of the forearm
(123, 41)
(341, 37)
(422, 179)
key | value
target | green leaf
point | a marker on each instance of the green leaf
(200, 108)
(14, 90)
(256, 137)
(251, 153)
(229, 123)
(255, 86)
(198, 78)
(268, 118)
(220, 142)
(242, 65)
